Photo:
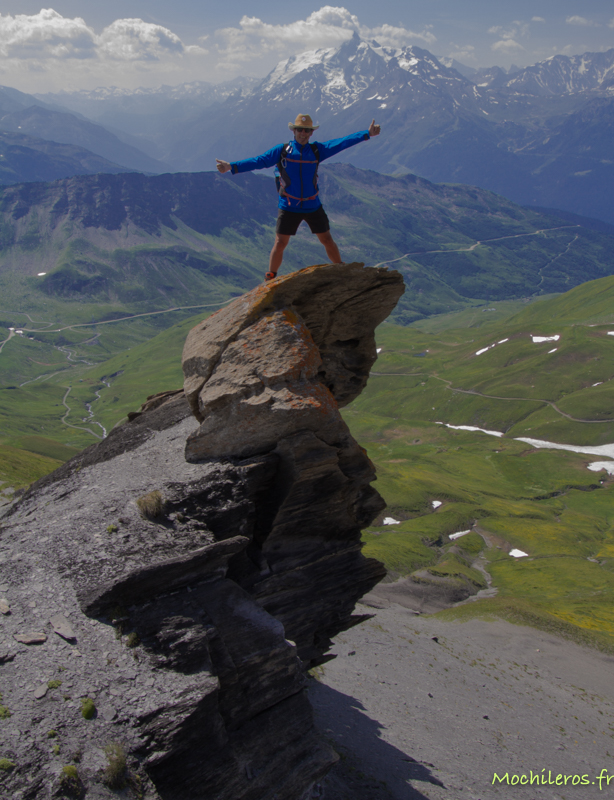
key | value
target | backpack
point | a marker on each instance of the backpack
(282, 179)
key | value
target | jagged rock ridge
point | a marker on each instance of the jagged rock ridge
(195, 610)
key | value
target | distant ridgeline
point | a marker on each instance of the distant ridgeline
(139, 243)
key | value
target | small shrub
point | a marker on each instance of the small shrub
(88, 709)
(132, 640)
(56, 749)
(6, 765)
(112, 528)
(54, 684)
(115, 772)
(52, 734)
(151, 505)
(4, 712)
(70, 782)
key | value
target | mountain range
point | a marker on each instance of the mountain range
(58, 136)
(540, 136)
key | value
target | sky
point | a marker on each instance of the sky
(82, 44)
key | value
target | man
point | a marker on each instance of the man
(297, 179)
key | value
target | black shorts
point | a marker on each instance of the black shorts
(288, 221)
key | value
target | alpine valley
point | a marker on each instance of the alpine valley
(470, 366)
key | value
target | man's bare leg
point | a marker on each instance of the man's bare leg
(332, 251)
(277, 253)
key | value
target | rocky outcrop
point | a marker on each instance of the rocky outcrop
(193, 588)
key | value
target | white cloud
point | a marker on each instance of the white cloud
(611, 23)
(537, 19)
(462, 53)
(508, 36)
(46, 51)
(49, 35)
(133, 39)
(581, 21)
(506, 46)
(45, 35)
(330, 26)
(511, 31)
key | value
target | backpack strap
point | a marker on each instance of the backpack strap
(282, 179)
(316, 152)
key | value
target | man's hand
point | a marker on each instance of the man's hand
(224, 166)
(374, 130)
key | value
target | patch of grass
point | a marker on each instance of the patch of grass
(88, 708)
(70, 782)
(55, 683)
(132, 640)
(520, 612)
(114, 775)
(452, 566)
(151, 505)
(19, 468)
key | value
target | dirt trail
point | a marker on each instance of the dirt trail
(483, 241)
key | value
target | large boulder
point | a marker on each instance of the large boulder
(285, 356)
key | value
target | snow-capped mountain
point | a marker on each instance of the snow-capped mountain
(361, 71)
(562, 75)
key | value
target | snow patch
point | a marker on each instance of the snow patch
(459, 534)
(597, 466)
(379, 349)
(518, 553)
(41, 273)
(436, 503)
(554, 349)
(610, 333)
(606, 450)
(391, 521)
(490, 346)
(538, 339)
(471, 428)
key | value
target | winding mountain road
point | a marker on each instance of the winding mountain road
(483, 241)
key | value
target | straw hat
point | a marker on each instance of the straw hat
(303, 121)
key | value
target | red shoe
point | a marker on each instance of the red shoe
(269, 276)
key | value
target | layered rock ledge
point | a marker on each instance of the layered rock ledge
(184, 572)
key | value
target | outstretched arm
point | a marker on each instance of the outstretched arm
(268, 159)
(334, 146)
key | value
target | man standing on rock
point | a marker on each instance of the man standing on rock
(296, 175)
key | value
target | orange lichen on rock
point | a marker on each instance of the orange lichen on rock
(285, 357)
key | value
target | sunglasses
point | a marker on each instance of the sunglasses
(303, 130)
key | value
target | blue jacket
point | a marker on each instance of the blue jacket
(301, 194)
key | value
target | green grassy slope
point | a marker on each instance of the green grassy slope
(543, 502)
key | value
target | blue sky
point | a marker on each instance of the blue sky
(76, 44)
